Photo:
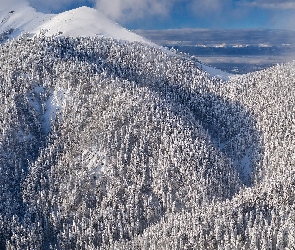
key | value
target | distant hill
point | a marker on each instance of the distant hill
(233, 51)
(211, 37)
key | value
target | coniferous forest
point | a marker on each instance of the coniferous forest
(107, 144)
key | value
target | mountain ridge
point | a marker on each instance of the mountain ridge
(83, 21)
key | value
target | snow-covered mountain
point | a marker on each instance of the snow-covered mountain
(107, 144)
(18, 17)
(87, 22)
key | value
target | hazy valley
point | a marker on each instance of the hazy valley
(233, 51)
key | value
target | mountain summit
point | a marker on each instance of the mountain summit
(18, 17)
(87, 22)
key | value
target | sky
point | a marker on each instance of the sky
(174, 14)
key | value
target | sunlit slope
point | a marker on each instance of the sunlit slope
(101, 134)
(87, 22)
(19, 17)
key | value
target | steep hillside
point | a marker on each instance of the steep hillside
(259, 217)
(107, 144)
(112, 137)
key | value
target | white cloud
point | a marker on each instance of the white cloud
(126, 10)
(272, 4)
(282, 12)
(216, 12)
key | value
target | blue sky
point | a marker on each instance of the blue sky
(169, 14)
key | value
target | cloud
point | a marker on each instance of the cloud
(209, 13)
(217, 13)
(272, 4)
(126, 10)
(281, 12)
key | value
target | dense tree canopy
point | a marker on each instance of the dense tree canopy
(106, 144)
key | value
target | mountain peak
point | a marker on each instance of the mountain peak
(18, 17)
(87, 22)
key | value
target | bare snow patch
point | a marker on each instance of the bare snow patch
(48, 108)
(215, 72)
(53, 107)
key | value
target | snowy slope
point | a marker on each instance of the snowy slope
(87, 22)
(213, 72)
(19, 17)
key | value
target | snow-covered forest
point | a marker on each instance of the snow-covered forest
(116, 145)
